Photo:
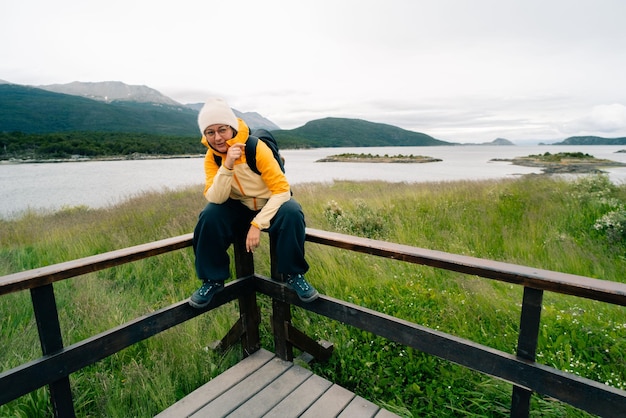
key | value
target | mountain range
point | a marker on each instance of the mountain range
(105, 106)
(114, 106)
(110, 91)
(117, 107)
(116, 91)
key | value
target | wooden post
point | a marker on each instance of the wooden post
(47, 317)
(246, 329)
(281, 314)
(248, 309)
(286, 336)
(527, 346)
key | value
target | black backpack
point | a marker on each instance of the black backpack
(251, 143)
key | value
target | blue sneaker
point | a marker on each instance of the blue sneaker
(203, 296)
(303, 289)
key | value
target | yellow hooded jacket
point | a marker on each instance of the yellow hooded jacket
(265, 192)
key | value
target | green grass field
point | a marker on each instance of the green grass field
(569, 226)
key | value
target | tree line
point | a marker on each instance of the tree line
(18, 145)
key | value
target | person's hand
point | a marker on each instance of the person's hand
(233, 154)
(253, 239)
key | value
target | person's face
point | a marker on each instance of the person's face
(217, 135)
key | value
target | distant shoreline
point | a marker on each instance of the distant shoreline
(134, 157)
(523, 161)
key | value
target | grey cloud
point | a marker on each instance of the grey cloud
(601, 120)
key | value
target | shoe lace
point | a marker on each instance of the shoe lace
(299, 281)
(206, 288)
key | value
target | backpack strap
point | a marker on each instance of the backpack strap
(251, 144)
(218, 160)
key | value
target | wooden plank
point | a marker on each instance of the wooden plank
(244, 390)
(263, 385)
(217, 386)
(300, 399)
(272, 394)
(359, 408)
(383, 413)
(330, 404)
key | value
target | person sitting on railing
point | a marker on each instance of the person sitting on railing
(244, 202)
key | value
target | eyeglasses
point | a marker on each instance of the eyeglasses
(222, 130)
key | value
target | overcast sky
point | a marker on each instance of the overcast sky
(458, 70)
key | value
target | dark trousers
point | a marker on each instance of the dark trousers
(219, 225)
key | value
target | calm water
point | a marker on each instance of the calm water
(52, 186)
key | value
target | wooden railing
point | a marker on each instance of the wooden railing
(526, 375)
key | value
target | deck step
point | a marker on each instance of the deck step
(262, 385)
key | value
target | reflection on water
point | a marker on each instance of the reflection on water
(102, 183)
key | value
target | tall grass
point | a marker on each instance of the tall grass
(535, 221)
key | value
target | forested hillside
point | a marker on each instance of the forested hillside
(338, 132)
(592, 140)
(32, 110)
(39, 124)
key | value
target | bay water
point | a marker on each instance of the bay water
(96, 184)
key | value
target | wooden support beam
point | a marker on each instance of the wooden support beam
(281, 313)
(47, 317)
(246, 329)
(527, 346)
(321, 350)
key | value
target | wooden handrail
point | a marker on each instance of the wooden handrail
(570, 284)
(553, 281)
(521, 370)
(30, 279)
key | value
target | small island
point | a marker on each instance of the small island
(564, 162)
(369, 158)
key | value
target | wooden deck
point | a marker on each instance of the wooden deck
(262, 385)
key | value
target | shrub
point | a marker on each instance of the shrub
(363, 221)
(613, 225)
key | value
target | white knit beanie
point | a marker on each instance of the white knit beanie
(216, 111)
